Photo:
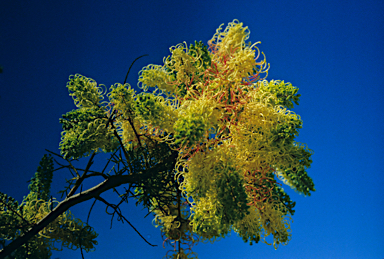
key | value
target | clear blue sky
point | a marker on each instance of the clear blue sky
(332, 50)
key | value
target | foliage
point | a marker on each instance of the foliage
(206, 150)
(85, 130)
(17, 218)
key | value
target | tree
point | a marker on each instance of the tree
(203, 151)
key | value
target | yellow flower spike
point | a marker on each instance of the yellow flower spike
(242, 63)
(249, 228)
(234, 36)
(232, 54)
(181, 63)
(274, 221)
(156, 76)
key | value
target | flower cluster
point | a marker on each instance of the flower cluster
(233, 132)
(229, 118)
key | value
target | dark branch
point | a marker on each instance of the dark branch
(81, 179)
(110, 183)
(125, 80)
(89, 213)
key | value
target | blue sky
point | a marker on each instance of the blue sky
(331, 50)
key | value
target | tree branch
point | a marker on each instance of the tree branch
(70, 201)
(81, 179)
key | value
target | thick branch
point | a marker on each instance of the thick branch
(110, 183)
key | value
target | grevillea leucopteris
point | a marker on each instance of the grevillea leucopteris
(231, 128)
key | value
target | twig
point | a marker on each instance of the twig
(121, 216)
(80, 180)
(89, 213)
(125, 80)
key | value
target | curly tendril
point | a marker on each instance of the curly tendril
(84, 91)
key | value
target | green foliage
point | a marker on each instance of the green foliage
(193, 61)
(281, 196)
(121, 98)
(84, 91)
(285, 93)
(41, 182)
(200, 51)
(285, 132)
(160, 186)
(148, 107)
(9, 220)
(300, 180)
(297, 177)
(231, 196)
(84, 131)
(189, 130)
(249, 232)
(36, 248)
(16, 219)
